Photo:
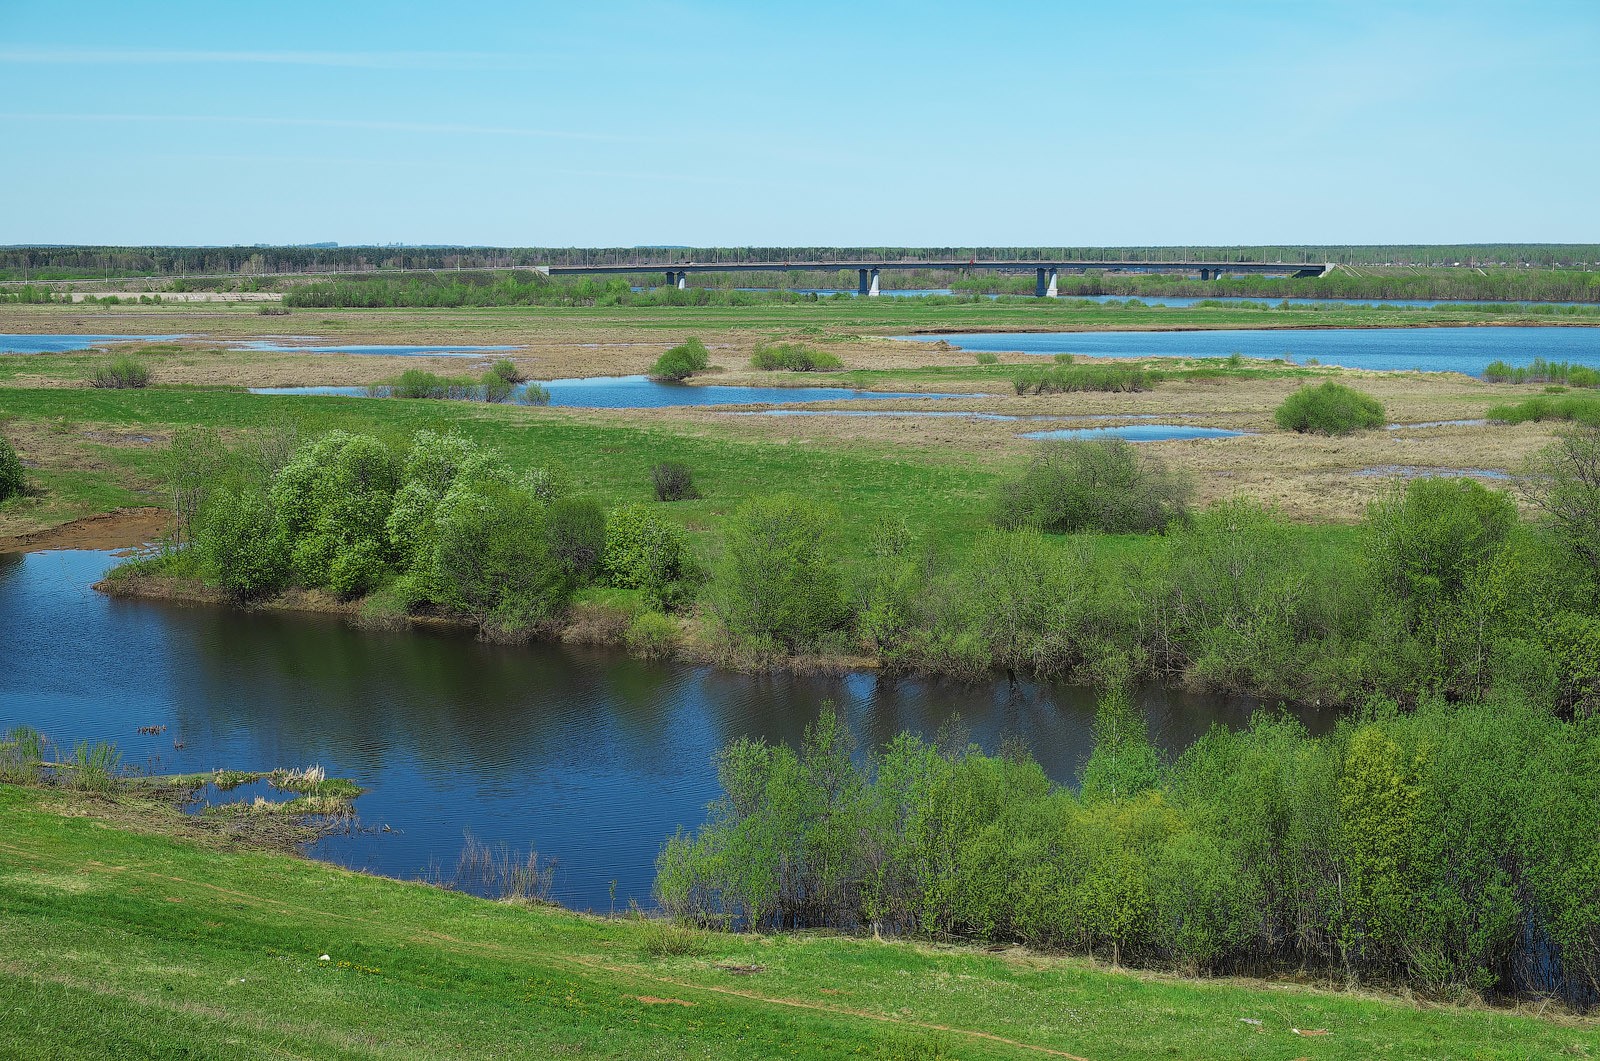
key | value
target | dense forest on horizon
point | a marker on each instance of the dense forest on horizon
(89, 262)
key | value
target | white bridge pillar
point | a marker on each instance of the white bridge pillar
(683, 281)
(872, 292)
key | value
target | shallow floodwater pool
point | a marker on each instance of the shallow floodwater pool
(66, 344)
(1138, 432)
(590, 757)
(642, 392)
(1465, 349)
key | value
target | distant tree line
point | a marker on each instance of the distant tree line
(72, 262)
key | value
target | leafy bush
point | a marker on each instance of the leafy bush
(333, 500)
(1329, 409)
(1105, 485)
(984, 357)
(793, 357)
(12, 481)
(646, 552)
(1443, 849)
(534, 394)
(420, 383)
(121, 373)
(1068, 378)
(673, 481)
(682, 361)
(1063, 359)
(494, 556)
(495, 388)
(235, 535)
(778, 585)
(1565, 485)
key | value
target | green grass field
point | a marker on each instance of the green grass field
(127, 936)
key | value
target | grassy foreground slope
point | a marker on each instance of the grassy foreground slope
(123, 938)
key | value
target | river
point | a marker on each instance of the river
(588, 756)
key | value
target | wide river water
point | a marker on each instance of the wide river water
(588, 756)
(1465, 349)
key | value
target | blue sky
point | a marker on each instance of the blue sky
(626, 123)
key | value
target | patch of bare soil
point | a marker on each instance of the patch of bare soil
(123, 528)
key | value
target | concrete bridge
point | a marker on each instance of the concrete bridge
(867, 273)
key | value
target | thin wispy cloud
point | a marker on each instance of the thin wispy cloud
(357, 60)
(333, 123)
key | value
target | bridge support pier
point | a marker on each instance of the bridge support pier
(861, 281)
(1044, 282)
(683, 281)
(1205, 274)
(872, 292)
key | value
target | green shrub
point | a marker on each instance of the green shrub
(793, 357)
(12, 480)
(1425, 541)
(577, 533)
(1565, 486)
(646, 552)
(1123, 762)
(673, 481)
(1063, 359)
(1104, 485)
(534, 394)
(494, 559)
(121, 373)
(507, 370)
(1329, 409)
(333, 499)
(420, 383)
(984, 357)
(652, 635)
(682, 361)
(495, 388)
(778, 584)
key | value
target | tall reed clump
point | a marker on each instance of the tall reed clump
(1541, 371)
(21, 755)
(793, 357)
(681, 362)
(1582, 408)
(1329, 409)
(673, 481)
(1067, 378)
(122, 373)
(12, 482)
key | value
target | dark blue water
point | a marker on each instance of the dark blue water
(642, 392)
(588, 756)
(1466, 349)
(1139, 432)
(63, 344)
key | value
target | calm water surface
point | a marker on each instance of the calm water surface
(588, 756)
(642, 392)
(1465, 349)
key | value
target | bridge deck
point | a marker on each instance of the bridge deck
(995, 266)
